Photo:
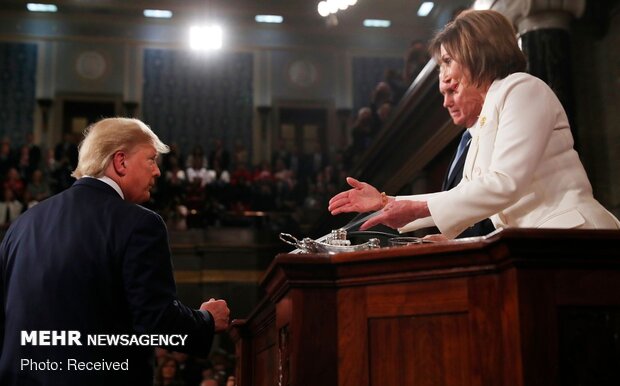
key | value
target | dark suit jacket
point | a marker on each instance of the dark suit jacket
(86, 260)
(481, 228)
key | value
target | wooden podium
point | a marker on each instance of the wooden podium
(521, 307)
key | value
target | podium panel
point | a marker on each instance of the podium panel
(521, 307)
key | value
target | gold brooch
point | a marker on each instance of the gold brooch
(483, 120)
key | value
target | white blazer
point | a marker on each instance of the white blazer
(521, 169)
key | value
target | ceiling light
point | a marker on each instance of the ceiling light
(205, 38)
(425, 8)
(158, 13)
(269, 18)
(377, 23)
(323, 8)
(37, 7)
(332, 5)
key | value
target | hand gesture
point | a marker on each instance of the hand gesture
(220, 312)
(436, 238)
(362, 198)
(398, 213)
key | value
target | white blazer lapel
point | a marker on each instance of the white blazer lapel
(472, 153)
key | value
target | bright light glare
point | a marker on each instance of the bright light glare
(269, 18)
(323, 8)
(425, 8)
(327, 7)
(342, 4)
(332, 5)
(377, 23)
(158, 13)
(37, 7)
(205, 38)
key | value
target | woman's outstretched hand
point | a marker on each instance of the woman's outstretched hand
(362, 198)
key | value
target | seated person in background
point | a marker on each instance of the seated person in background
(217, 175)
(7, 156)
(197, 173)
(197, 152)
(15, 182)
(168, 373)
(360, 133)
(521, 169)
(37, 190)
(415, 60)
(219, 154)
(10, 208)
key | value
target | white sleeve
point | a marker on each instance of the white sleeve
(420, 223)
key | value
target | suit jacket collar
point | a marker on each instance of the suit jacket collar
(95, 183)
(453, 179)
(484, 121)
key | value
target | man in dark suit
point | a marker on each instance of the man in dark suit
(464, 110)
(90, 261)
(452, 179)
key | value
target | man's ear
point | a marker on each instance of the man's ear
(119, 160)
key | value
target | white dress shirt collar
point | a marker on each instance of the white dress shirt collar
(113, 184)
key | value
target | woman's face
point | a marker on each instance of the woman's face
(463, 101)
(450, 70)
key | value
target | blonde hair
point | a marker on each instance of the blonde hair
(484, 43)
(104, 138)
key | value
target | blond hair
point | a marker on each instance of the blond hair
(104, 138)
(484, 43)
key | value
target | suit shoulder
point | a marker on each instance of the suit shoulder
(147, 213)
(521, 86)
(93, 202)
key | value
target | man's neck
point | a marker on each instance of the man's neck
(113, 184)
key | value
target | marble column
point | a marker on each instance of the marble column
(543, 29)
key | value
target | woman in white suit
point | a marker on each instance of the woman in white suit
(521, 169)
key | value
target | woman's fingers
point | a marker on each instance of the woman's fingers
(339, 197)
(338, 202)
(354, 183)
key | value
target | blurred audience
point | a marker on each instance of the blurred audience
(179, 369)
(37, 190)
(167, 373)
(10, 208)
(196, 190)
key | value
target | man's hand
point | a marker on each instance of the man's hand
(220, 312)
(362, 198)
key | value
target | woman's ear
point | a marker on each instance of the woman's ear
(119, 162)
